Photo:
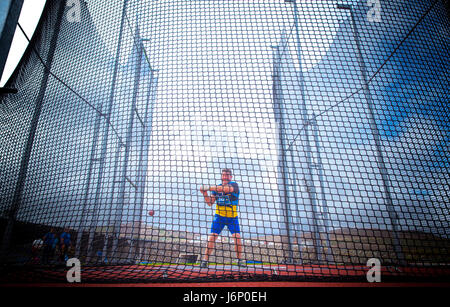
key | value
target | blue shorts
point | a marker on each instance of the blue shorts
(220, 222)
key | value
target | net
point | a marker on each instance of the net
(331, 115)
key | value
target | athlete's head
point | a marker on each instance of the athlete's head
(226, 175)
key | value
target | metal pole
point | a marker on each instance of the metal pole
(309, 176)
(325, 213)
(294, 191)
(143, 163)
(376, 136)
(17, 200)
(121, 196)
(88, 183)
(278, 110)
(142, 170)
(105, 136)
(105, 244)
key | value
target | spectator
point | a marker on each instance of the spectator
(65, 242)
(50, 240)
(36, 249)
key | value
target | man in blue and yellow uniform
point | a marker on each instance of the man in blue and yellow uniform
(227, 197)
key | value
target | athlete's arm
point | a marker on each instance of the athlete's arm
(210, 200)
(226, 189)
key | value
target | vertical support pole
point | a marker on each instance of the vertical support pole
(18, 192)
(377, 138)
(309, 176)
(278, 111)
(145, 143)
(325, 212)
(123, 173)
(294, 186)
(92, 159)
(105, 254)
(104, 141)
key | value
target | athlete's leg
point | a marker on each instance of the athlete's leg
(233, 227)
(237, 244)
(210, 246)
(217, 226)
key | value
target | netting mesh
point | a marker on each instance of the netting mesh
(331, 115)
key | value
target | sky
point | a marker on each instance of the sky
(29, 18)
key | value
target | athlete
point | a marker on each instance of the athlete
(227, 197)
